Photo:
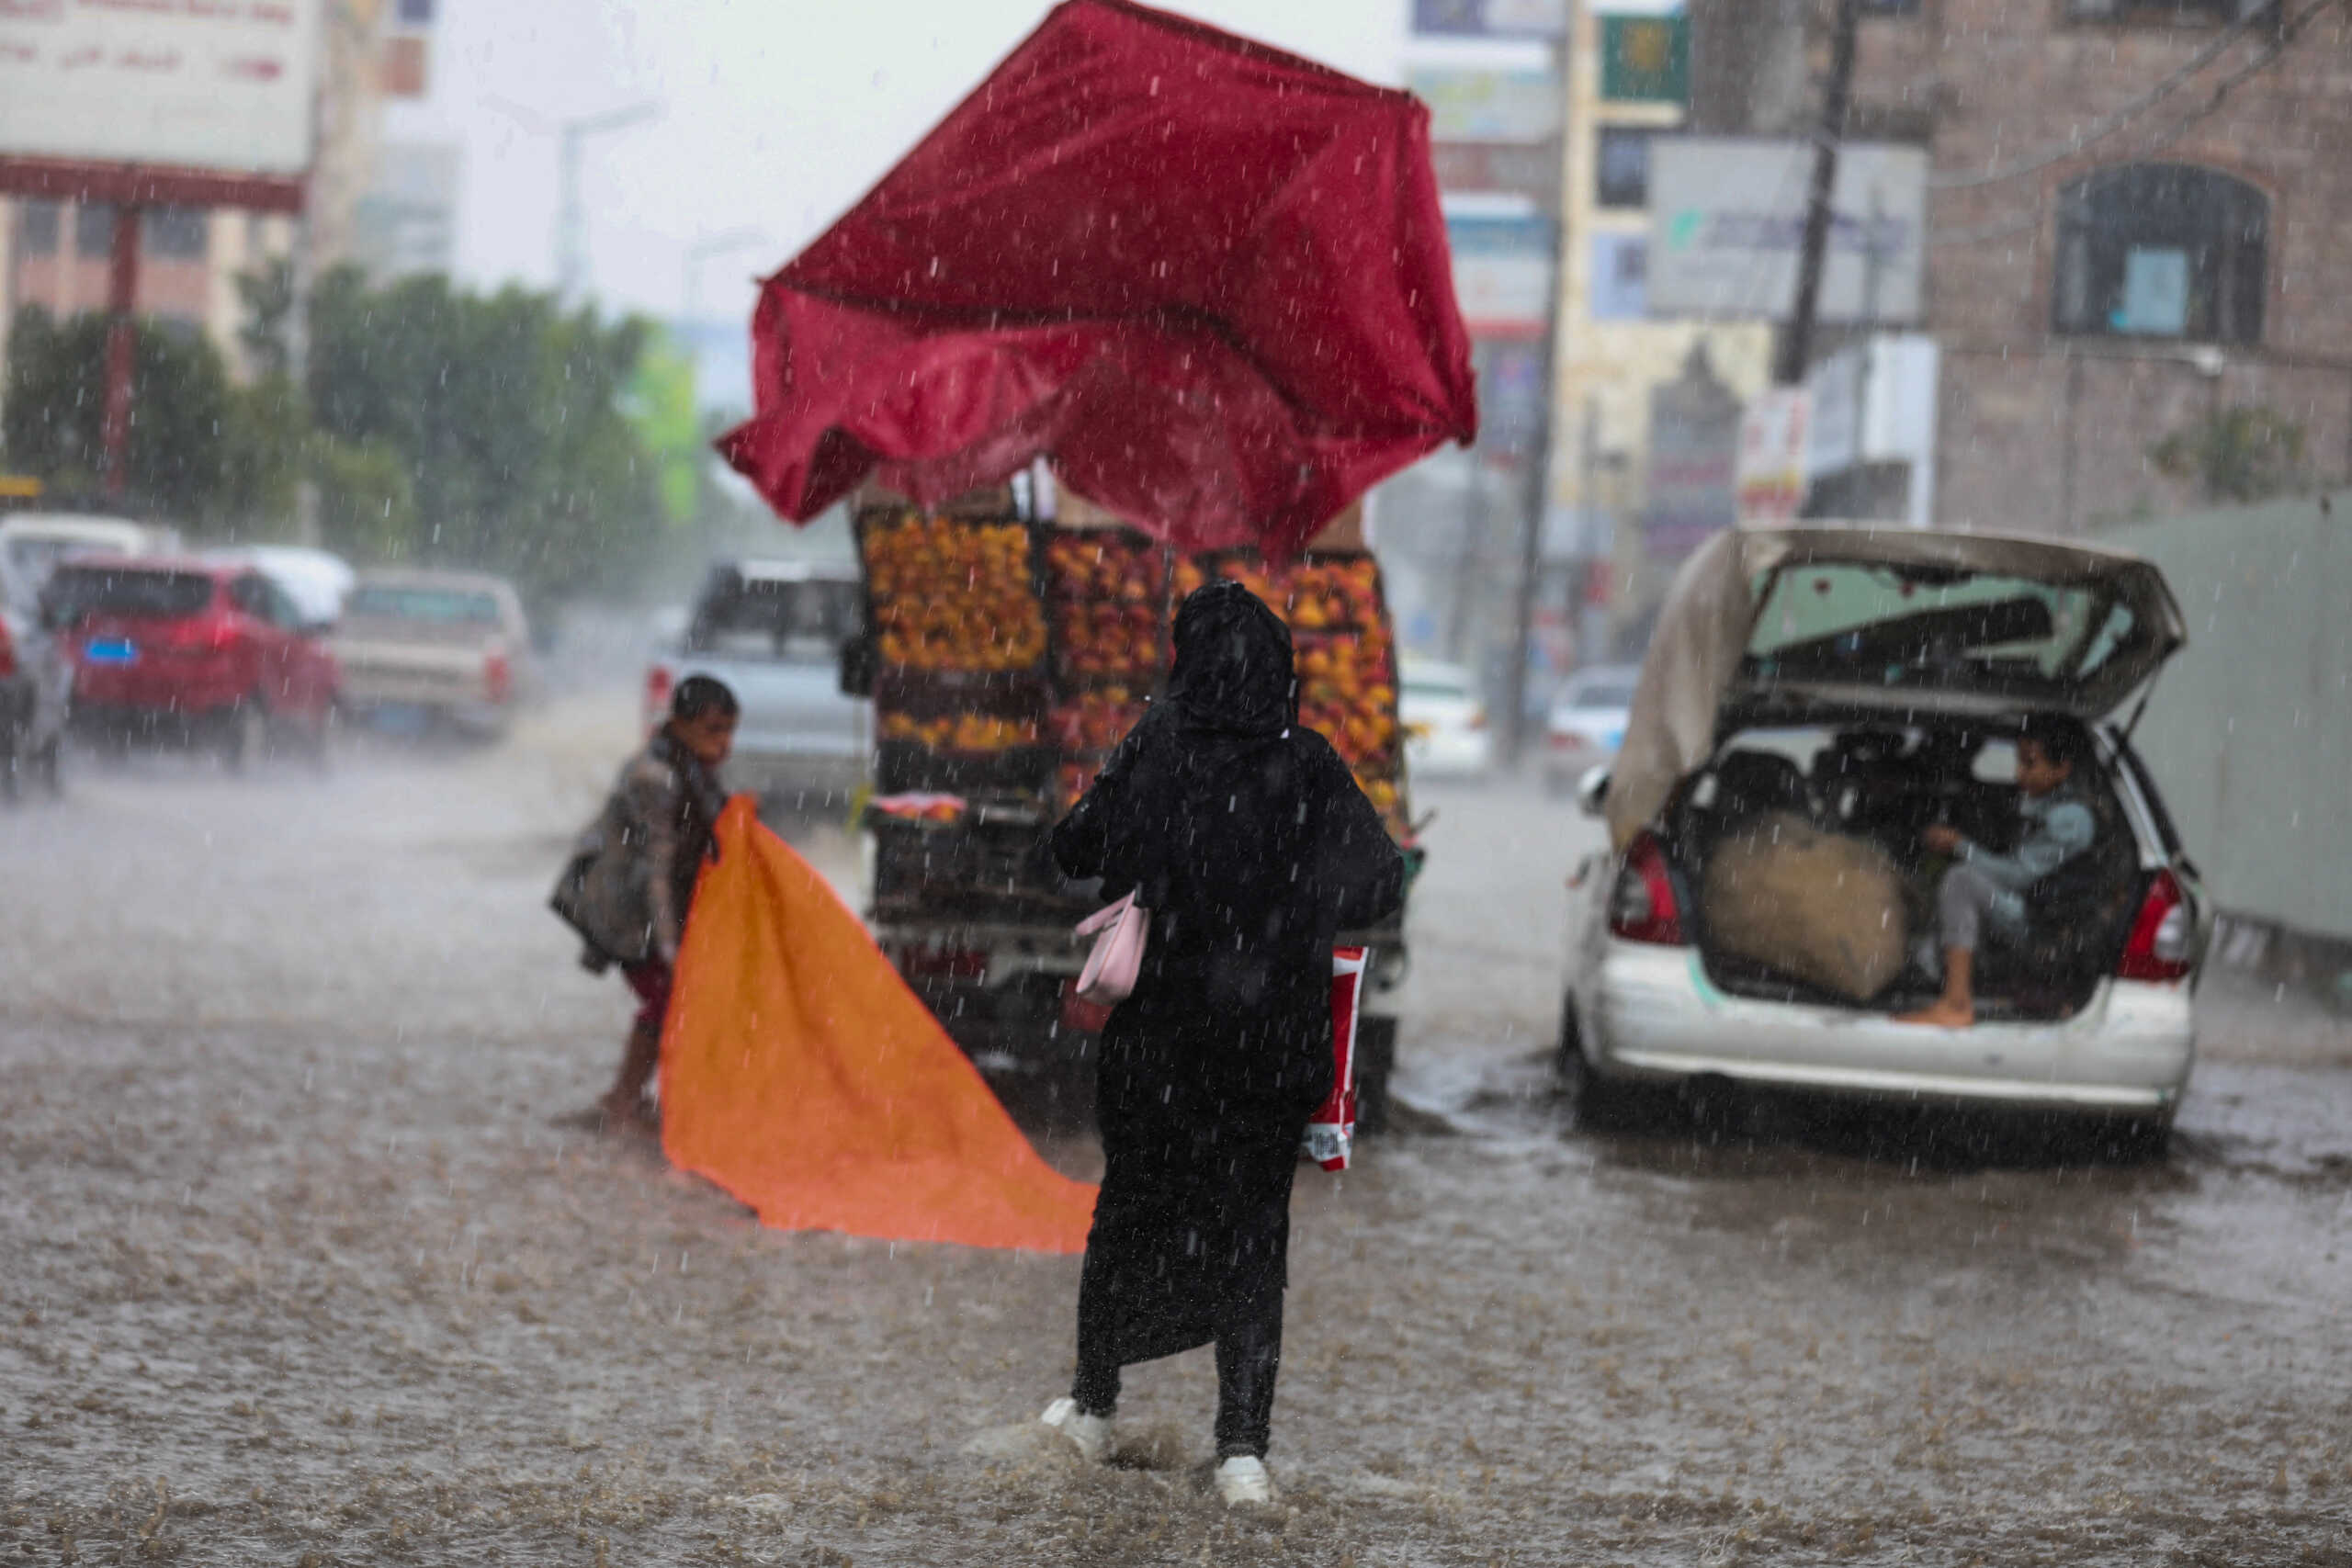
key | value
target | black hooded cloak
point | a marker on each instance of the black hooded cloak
(1247, 838)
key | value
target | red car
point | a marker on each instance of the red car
(192, 652)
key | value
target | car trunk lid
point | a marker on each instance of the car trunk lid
(1912, 622)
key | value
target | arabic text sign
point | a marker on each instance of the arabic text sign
(1727, 221)
(1490, 19)
(193, 83)
(1502, 273)
(1487, 106)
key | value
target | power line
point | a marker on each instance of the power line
(2289, 31)
(2108, 124)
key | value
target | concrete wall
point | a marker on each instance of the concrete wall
(2250, 731)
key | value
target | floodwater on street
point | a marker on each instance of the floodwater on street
(309, 1263)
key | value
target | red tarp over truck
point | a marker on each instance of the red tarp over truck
(1208, 280)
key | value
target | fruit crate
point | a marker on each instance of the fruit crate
(952, 599)
(902, 766)
(968, 870)
(1107, 604)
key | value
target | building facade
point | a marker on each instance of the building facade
(1628, 84)
(2135, 212)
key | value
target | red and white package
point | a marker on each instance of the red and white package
(1332, 1132)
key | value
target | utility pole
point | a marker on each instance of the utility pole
(1537, 497)
(571, 208)
(1796, 341)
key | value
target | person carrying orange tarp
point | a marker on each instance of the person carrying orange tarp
(801, 1075)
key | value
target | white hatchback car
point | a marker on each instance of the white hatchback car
(1873, 682)
(1587, 723)
(1444, 722)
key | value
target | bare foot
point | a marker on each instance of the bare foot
(1944, 1014)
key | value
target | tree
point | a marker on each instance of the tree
(2243, 453)
(195, 453)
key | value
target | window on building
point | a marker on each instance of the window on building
(93, 228)
(2162, 250)
(37, 227)
(177, 231)
(1624, 167)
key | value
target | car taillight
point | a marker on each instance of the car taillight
(7, 653)
(497, 675)
(1642, 907)
(658, 682)
(2163, 933)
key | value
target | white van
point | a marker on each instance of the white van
(34, 542)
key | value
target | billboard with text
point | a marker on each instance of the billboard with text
(216, 84)
(1727, 221)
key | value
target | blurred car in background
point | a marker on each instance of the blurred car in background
(1444, 720)
(774, 632)
(317, 580)
(35, 687)
(1587, 723)
(34, 542)
(188, 651)
(425, 651)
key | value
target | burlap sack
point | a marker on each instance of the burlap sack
(1818, 906)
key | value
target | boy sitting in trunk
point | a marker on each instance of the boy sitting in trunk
(1987, 896)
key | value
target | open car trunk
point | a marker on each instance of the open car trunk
(1808, 836)
(1814, 698)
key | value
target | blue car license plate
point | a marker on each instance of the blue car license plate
(111, 650)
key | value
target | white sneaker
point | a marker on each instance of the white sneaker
(1091, 1435)
(1243, 1483)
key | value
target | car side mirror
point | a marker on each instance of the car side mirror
(1592, 791)
(859, 662)
(316, 628)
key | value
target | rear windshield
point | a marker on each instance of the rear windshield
(1608, 695)
(764, 618)
(1440, 686)
(79, 590)
(442, 606)
(1935, 628)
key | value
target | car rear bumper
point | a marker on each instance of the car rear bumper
(1653, 1014)
(1441, 755)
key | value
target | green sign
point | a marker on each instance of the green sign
(659, 403)
(1645, 59)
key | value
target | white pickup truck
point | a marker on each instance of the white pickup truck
(772, 631)
(425, 648)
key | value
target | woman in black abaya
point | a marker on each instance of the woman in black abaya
(1247, 839)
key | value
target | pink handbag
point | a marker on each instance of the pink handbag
(1111, 969)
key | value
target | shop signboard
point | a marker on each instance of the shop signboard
(1691, 471)
(1774, 436)
(1645, 59)
(1502, 273)
(1516, 168)
(216, 87)
(1620, 286)
(1727, 222)
(1483, 105)
(1490, 19)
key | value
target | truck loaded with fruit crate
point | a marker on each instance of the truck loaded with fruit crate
(1006, 655)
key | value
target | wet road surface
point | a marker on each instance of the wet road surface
(300, 1268)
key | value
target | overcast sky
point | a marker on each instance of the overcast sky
(778, 115)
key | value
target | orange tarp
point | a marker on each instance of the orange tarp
(800, 1074)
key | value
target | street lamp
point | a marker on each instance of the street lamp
(571, 210)
(705, 248)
